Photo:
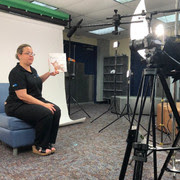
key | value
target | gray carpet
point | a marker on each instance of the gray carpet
(82, 152)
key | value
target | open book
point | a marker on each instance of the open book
(57, 62)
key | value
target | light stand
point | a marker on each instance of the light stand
(127, 111)
(71, 69)
(113, 101)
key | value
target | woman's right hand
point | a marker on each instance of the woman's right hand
(50, 107)
(23, 96)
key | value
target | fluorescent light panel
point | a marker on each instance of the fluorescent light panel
(123, 1)
(44, 5)
(168, 19)
(105, 30)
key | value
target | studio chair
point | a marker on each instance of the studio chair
(13, 131)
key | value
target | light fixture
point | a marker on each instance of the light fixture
(116, 44)
(123, 1)
(168, 19)
(105, 30)
(44, 5)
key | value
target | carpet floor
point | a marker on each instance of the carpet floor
(82, 152)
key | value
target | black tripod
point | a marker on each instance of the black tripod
(113, 103)
(71, 69)
(141, 149)
(71, 98)
(127, 111)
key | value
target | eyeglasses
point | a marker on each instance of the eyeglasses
(29, 54)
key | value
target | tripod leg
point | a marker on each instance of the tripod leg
(80, 107)
(140, 156)
(142, 104)
(177, 117)
(154, 128)
(140, 150)
(101, 114)
(131, 136)
(138, 169)
(130, 140)
(113, 121)
(171, 152)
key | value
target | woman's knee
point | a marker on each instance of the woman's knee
(58, 110)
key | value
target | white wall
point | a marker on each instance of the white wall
(44, 38)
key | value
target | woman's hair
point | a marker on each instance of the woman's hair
(20, 49)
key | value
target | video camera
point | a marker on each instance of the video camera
(166, 58)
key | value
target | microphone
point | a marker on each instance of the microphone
(73, 29)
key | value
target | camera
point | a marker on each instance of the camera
(166, 58)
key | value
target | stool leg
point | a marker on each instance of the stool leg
(15, 151)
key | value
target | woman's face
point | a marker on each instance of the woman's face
(27, 56)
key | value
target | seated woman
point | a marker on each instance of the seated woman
(25, 101)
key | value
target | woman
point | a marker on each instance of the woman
(25, 101)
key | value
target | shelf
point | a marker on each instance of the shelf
(113, 74)
(113, 81)
(120, 75)
(112, 65)
(112, 90)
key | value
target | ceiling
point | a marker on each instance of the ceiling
(96, 12)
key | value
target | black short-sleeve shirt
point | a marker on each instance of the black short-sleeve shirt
(19, 78)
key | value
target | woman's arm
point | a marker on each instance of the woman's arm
(22, 95)
(46, 75)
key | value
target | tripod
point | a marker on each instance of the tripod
(74, 101)
(71, 70)
(113, 101)
(141, 149)
(127, 108)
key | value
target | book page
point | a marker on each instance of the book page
(57, 62)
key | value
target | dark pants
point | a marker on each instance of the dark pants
(45, 123)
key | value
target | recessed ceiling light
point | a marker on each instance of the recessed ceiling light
(168, 19)
(44, 5)
(123, 1)
(105, 30)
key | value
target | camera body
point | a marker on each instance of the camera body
(166, 58)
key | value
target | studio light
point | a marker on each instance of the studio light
(159, 30)
(116, 44)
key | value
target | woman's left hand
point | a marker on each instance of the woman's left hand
(54, 73)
